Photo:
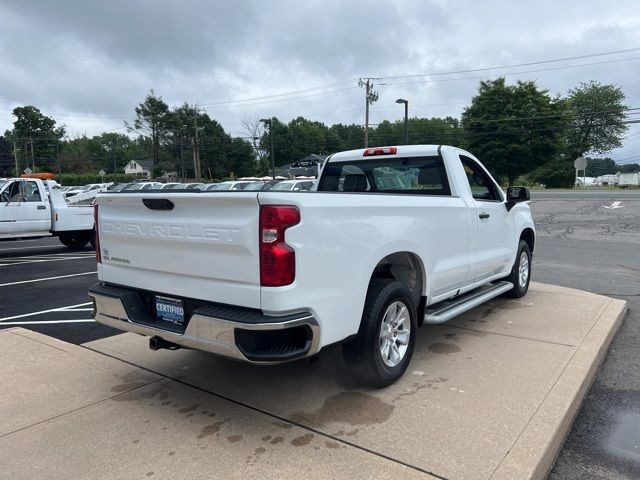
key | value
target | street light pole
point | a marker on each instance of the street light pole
(406, 119)
(268, 121)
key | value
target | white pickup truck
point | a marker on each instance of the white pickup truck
(391, 238)
(32, 208)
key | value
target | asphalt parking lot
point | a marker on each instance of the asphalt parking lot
(43, 287)
(581, 244)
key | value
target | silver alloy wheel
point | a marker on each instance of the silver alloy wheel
(523, 270)
(395, 332)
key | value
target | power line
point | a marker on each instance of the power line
(473, 70)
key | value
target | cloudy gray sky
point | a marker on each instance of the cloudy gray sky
(88, 64)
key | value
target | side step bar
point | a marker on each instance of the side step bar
(452, 308)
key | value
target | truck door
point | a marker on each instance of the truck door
(494, 241)
(23, 208)
(9, 203)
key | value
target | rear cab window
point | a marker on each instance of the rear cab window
(405, 175)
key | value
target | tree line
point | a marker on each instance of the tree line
(519, 131)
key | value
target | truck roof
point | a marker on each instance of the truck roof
(401, 150)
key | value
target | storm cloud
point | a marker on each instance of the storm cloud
(89, 63)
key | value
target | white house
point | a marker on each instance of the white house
(139, 167)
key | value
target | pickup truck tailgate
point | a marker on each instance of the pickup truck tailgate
(194, 245)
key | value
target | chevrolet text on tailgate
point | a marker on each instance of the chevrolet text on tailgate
(389, 239)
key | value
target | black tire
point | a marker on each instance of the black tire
(75, 240)
(518, 289)
(363, 354)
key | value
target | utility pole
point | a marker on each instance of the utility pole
(57, 155)
(370, 97)
(269, 121)
(15, 157)
(33, 158)
(182, 177)
(196, 150)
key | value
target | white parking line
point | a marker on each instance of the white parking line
(46, 322)
(59, 309)
(20, 262)
(25, 248)
(45, 279)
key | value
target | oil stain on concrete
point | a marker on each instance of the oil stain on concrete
(353, 408)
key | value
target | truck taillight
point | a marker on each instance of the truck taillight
(277, 259)
(96, 236)
(370, 152)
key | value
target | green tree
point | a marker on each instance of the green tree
(514, 128)
(600, 166)
(597, 114)
(151, 118)
(36, 135)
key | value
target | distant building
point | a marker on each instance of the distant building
(139, 167)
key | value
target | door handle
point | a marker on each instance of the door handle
(42, 207)
(484, 215)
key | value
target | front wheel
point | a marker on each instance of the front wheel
(521, 272)
(75, 240)
(382, 350)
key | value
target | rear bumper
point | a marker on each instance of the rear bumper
(233, 332)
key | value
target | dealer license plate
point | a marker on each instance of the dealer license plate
(170, 309)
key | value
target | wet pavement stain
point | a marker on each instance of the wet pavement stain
(266, 438)
(171, 454)
(282, 424)
(354, 408)
(234, 438)
(163, 395)
(259, 450)
(210, 429)
(302, 440)
(331, 444)
(123, 387)
(149, 474)
(451, 336)
(189, 409)
(442, 348)
(277, 440)
(165, 403)
(140, 394)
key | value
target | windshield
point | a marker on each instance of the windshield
(283, 186)
(254, 186)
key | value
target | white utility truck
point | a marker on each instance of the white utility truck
(389, 239)
(32, 208)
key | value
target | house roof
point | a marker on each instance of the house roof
(146, 164)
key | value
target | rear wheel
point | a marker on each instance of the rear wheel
(521, 272)
(75, 240)
(381, 352)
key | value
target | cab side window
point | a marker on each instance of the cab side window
(32, 192)
(482, 187)
(11, 193)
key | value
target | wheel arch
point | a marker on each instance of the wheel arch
(407, 268)
(529, 236)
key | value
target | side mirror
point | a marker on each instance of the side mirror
(517, 195)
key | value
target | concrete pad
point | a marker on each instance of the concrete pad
(169, 430)
(43, 377)
(533, 316)
(477, 400)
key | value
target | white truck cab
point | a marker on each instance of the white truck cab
(32, 208)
